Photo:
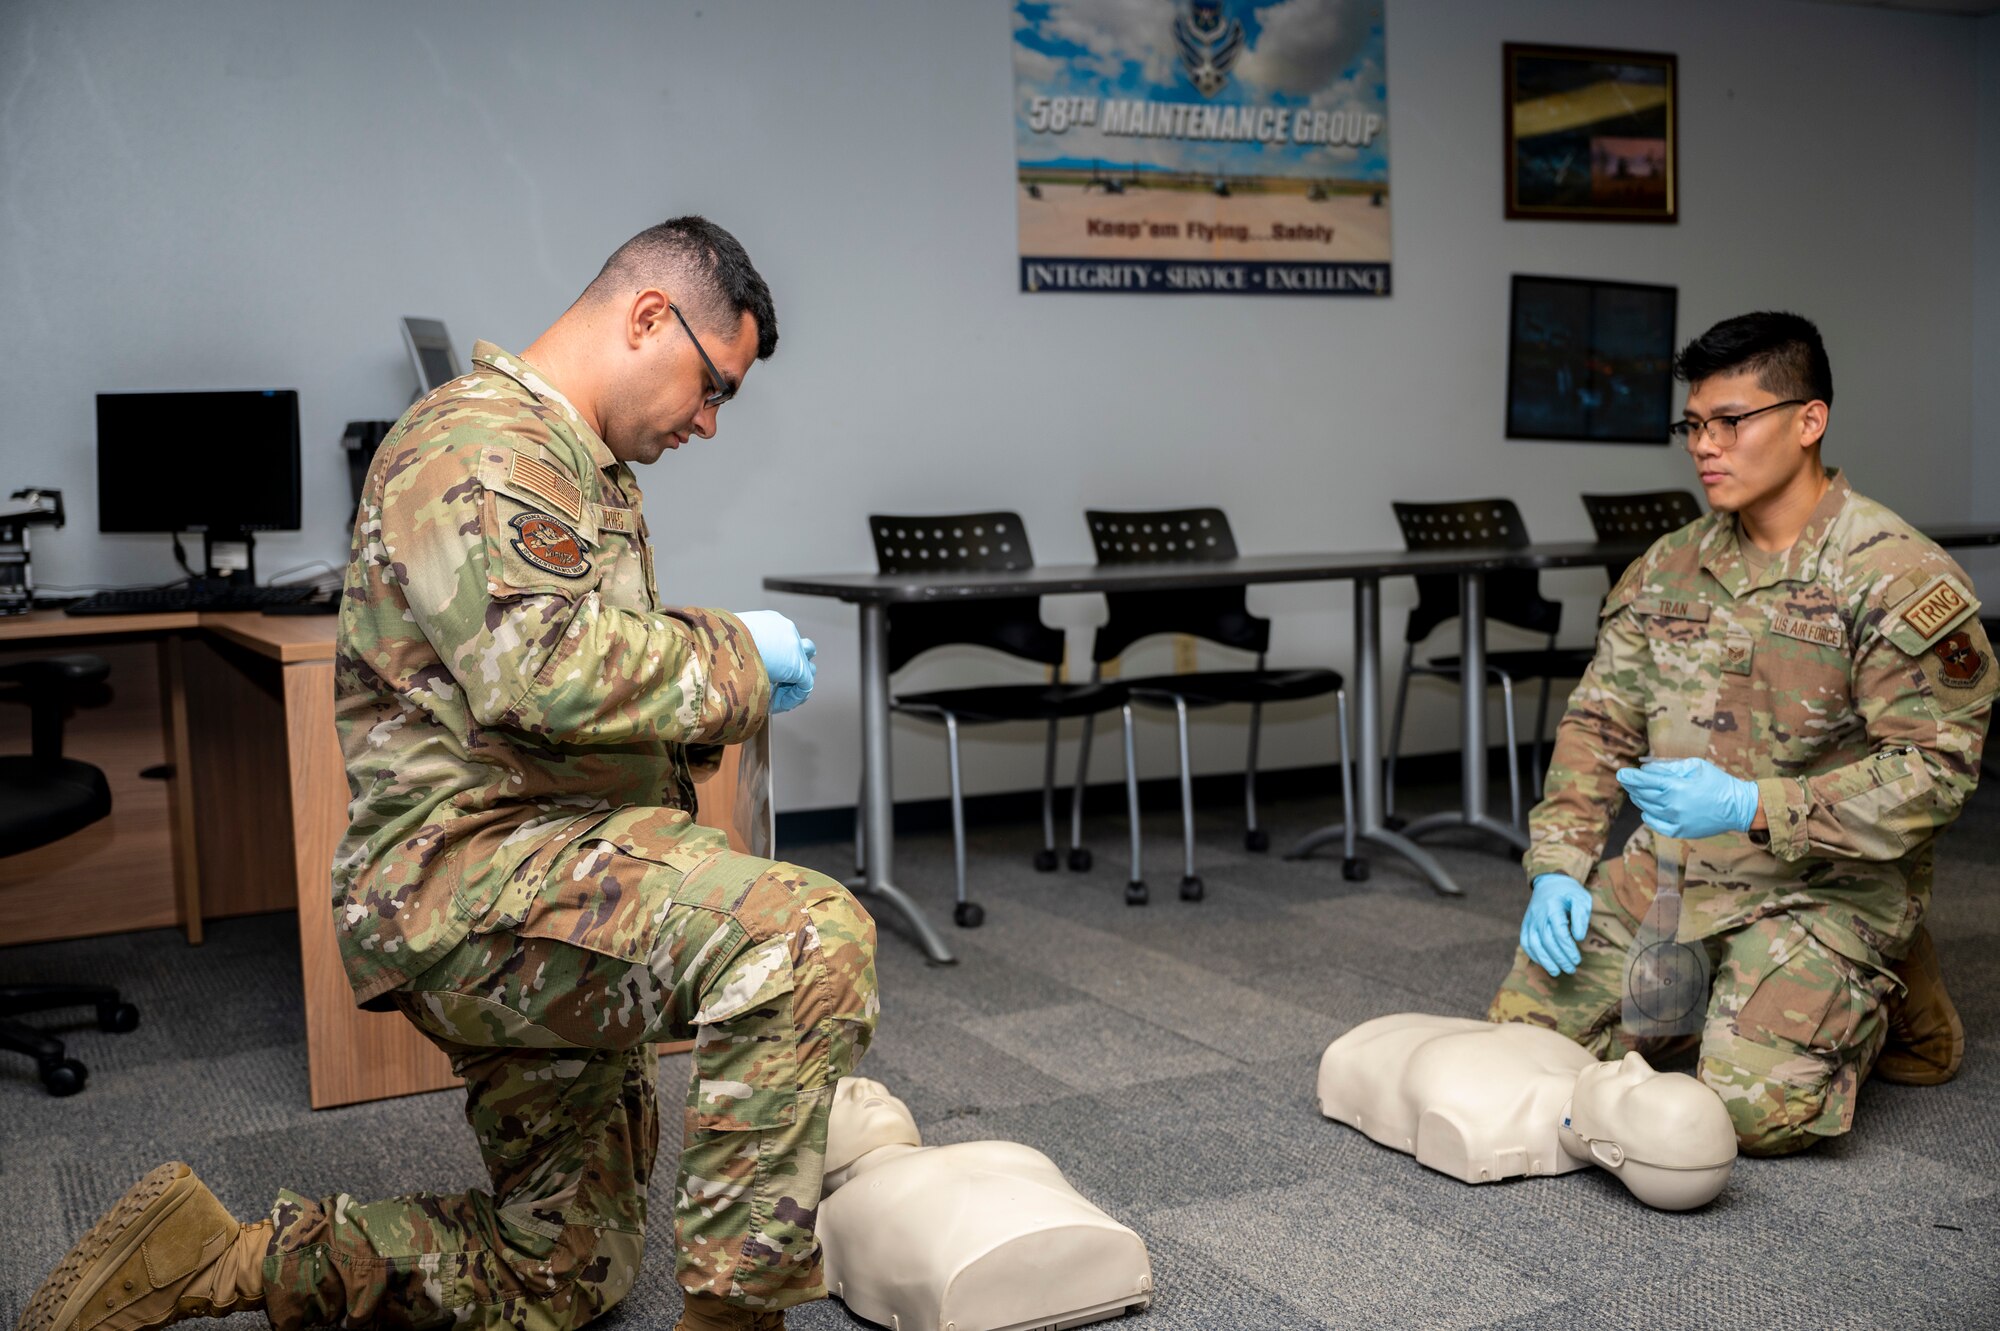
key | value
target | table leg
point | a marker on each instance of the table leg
(878, 811)
(1368, 760)
(1472, 724)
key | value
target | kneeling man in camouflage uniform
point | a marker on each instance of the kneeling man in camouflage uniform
(1810, 676)
(523, 721)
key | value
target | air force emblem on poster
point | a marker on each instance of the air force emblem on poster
(549, 545)
(1209, 43)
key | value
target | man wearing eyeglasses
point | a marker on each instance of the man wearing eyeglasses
(1794, 691)
(523, 719)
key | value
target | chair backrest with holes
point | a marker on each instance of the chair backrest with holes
(1512, 597)
(1645, 515)
(1171, 536)
(961, 543)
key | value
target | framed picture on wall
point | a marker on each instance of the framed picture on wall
(1590, 134)
(1590, 361)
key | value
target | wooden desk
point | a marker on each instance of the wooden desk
(239, 709)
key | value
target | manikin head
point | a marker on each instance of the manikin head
(1666, 1136)
(865, 1117)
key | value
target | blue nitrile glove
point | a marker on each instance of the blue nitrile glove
(788, 658)
(1557, 919)
(1690, 798)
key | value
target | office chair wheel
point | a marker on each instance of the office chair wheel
(1257, 839)
(1191, 888)
(968, 915)
(63, 1076)
(1395, 822)
(1045, 860)
(117, 1017)
(1079, 859)
(1354, 870)
(1136, 894)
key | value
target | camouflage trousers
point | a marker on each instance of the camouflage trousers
(1791, 1030)
(645, 928)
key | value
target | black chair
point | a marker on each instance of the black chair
(959, 542)
(1512, 597)
(1219, 615)
(45, 797)
(1644, 515)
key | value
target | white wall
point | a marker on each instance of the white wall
(244, 194)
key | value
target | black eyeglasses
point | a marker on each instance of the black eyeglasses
(724, 390)
(1723, 428)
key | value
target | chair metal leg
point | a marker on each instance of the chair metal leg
(1353, 868)
(1254, 837)
(1535, 749)
(967, 914)
(1396, 735)
(1513, 745)
(1079, 858)
(860, 825)
(1191, 887)
(1135, 885)
(1045, 858)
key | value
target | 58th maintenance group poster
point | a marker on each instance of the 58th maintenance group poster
(1174, 146)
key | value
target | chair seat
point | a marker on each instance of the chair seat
(41, 802)
(1534, 663)
(1017, 702)
(1211, 688)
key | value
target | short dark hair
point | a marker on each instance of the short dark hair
(711, 276)
(1783, 350)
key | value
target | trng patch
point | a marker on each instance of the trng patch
(549, 544)
(1939, 608)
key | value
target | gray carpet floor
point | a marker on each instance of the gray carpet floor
(1165, 1058)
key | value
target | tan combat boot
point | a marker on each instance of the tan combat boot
(167, 1251)
(705, 1312)
(1926, 1039)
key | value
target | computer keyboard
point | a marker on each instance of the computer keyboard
(165, 600)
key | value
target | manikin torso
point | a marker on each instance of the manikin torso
(1470, 1099)
(1483, 1102)
(977, 1236)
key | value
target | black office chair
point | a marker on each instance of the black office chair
(959, 542)
(1512, 597)
(1220, 615)
(44, 797)
(1644, 515)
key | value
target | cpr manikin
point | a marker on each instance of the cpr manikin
(978, 1236)
(1482, 1101)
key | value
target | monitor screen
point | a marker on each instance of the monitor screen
(1590, 361)
(215, 462)
(430, 351)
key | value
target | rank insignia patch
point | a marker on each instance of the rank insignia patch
(1962, 663)
(549, 545)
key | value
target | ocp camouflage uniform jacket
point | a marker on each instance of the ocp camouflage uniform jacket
(505, 677)
(1851, 680)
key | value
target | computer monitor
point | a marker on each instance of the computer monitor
(226, 464)
(430, 351)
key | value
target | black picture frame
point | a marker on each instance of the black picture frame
(1590, 360)
(1590, 135)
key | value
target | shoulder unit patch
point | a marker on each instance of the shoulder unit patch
(1937, 609)
(549, 544)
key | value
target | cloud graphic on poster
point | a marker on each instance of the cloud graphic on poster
(1036, 67)
(1302, 44)
(1113, 32)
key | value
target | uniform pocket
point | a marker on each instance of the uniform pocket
(746, 1072)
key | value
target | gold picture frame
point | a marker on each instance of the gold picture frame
(1590, 134)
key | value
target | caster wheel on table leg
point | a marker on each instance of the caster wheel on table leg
(968, 915)
(1354, 870)
(1045, 861)
(1191, 888)
(1257, 839)
(1136, 894)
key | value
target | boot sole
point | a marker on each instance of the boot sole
(110, 1241)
